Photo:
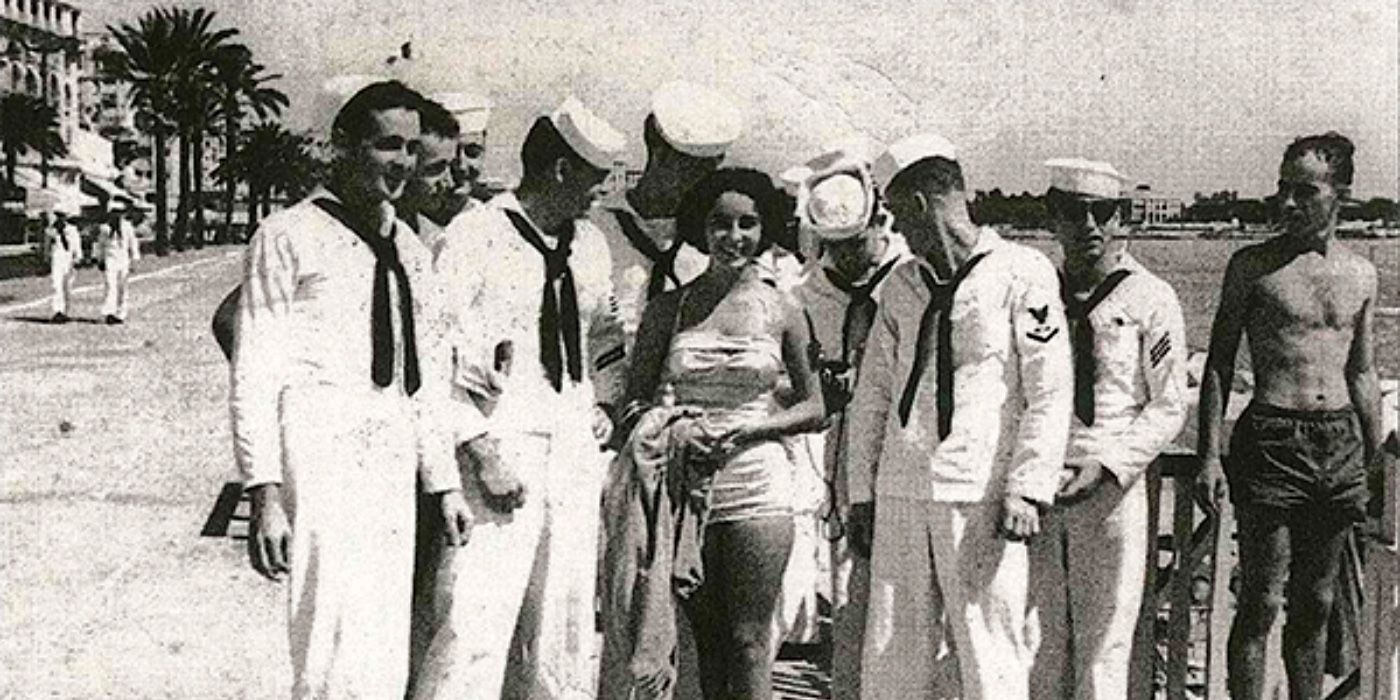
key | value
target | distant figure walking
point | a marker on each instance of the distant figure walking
(65, 250)
(119, 248)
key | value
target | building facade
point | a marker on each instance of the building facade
(40, 56)
(43, 53)
(1149, 208)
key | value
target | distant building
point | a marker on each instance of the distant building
(39, 55)
(106, 101)
(615, 184)
(107, 111)
(1150, 208)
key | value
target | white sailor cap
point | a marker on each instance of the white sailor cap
(793, 177)
(696, 120)
(837, 199)
(332, 97)
(472, 111)
(856, 147)
(592, 139)
(908, 151)
(1090, 177)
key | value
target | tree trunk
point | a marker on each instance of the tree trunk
(44, 95)
(162, 242)
(252, 208)
(182, 203)
(197, 182)
(230, 181)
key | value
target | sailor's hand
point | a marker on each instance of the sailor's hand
(503, 357)
(1084, 478)
(861, 528)
(456, 517)
(838, 386)
(602, 425)
(1210, 479)
(500, 487)
(269, 533)
(1020, 518)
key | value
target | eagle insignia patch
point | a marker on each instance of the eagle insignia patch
(1043, 331)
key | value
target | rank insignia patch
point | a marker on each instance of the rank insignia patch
(1043, 331)
(609, 358)
(1160, 350)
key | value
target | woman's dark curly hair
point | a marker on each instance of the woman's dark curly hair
(773, 207)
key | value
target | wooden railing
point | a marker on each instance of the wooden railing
(1380, 615)
(1180, 648)
(1178, 617)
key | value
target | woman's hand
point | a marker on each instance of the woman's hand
(693, 437)
(700, 444)
(735, 437)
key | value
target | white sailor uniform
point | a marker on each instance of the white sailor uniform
(119, 248)
(1088, 566)
(647, 259)
(309, 411)
(829, 307)
(938, 564)
(529, 575)
(65, 250)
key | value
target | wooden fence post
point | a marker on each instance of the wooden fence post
(1380, 614)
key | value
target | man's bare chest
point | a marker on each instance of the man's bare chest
(1309, 295)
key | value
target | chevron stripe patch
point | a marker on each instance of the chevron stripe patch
(609, 358)
(1160, 350)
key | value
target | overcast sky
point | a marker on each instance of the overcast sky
(1193, 95)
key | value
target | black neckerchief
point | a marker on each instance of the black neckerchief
(1086, 366)
(663, 263)
(860, 311)
(940, 305)
(386, 262)
(552, 306)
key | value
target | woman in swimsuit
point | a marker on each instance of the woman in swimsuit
(721, 344)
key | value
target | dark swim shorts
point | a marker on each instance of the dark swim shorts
(1299, 462)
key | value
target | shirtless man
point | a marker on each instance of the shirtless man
(1299, 452)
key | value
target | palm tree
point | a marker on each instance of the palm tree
(271, 159)
(195, 101)
(241, 84)
(166, 61)
(203, 114)
(27, 122)
(150, 61)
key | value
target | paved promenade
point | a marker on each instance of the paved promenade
(116, 448)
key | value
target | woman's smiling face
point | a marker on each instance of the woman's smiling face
(733, 230)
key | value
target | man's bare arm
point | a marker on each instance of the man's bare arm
(1363, 384)
(1219, 371)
